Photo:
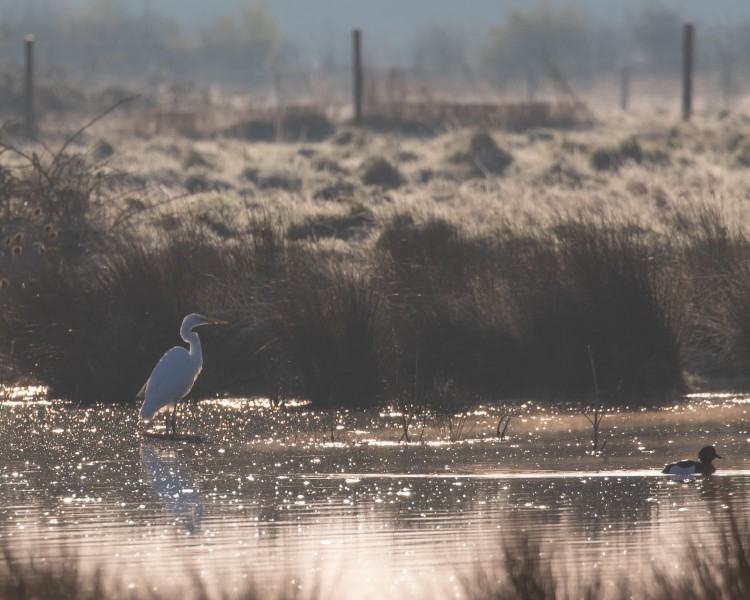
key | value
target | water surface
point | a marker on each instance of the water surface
(275, 495)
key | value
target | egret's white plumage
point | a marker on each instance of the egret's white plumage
(175, 373)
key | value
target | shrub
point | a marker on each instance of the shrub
(612, 157)
(378, 171)
(482, 155)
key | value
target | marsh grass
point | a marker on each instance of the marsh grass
(524, 570)
(329, 323)
(336, 296)
(64, 578)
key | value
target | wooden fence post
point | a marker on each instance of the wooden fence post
(624, 88)
(687, 71)
(29, 88)
(358, 80)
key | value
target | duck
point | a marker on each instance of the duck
(703, 466)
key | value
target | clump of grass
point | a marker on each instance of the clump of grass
(328, 165)
(337, 191)
(194, 159)
(65, 579)
(102, 150)
(522, 574)
(447, 312)
(331, 327)
(28, 580)
(306, 125)
(610, 158)
(357, 219)
(346, 135)
(380, 172)
(482, 155)
(250, 174)
(197, 183)
(293, 124)
(722, 574)
(256, 129)
(606, 294)
(279, 181)
(742, 153)
(715, 260)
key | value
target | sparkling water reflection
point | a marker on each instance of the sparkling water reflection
(277, 494)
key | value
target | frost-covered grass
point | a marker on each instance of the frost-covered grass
(485, 261)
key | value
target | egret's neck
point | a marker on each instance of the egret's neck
(191, 337)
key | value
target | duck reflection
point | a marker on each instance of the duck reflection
(174, 484)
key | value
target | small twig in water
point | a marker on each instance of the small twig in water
(598, 413)
(505, 418)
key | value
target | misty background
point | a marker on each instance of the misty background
(297, 50)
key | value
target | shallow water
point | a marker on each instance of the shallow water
(275, 495)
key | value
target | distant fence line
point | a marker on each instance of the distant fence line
(625, 77)
(359, 84)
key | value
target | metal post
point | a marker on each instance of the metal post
(29, 88)
(687, 71)
(358, 80)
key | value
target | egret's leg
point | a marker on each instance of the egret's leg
(167, 419)
(174, 420)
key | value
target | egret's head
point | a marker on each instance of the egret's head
(195, 319)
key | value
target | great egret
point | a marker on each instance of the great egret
(175, 373)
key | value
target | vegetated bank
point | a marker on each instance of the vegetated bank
(361, 304)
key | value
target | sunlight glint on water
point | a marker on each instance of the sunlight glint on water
(274, 494)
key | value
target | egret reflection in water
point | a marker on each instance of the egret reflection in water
(174, 484)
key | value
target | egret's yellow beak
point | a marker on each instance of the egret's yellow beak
(216, 322)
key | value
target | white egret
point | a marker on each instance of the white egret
(175, 373)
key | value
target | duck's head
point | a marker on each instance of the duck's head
(708, 454)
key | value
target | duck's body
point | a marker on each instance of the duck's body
(702, 466)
